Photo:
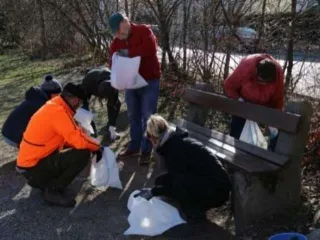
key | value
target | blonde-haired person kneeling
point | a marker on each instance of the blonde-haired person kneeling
(194, 177)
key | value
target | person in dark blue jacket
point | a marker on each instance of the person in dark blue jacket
(35, 98)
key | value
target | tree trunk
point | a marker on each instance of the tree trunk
(261, 29)
(43, 31)
(291, 46)
(186, 13)
(126, 8)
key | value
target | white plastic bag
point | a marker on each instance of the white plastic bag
(151, 218)
(105, 172)
(125, 73)
(252, 134)
(85, 118)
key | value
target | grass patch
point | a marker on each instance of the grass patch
(17, 74)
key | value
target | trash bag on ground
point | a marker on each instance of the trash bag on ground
(151, 218)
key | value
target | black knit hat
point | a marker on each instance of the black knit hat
(51, 85)
(76, 90)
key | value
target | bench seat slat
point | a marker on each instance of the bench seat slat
(231, 142)
(237, 159)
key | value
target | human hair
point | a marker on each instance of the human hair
(267, 70)
(156, 126)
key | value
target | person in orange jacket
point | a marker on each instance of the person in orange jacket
(43, 157)
(258, 79)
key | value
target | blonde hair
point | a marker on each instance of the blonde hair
(156, 126)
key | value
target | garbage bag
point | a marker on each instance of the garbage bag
(105, 172)
(84, 118)
(252, 134)
(125, 73)
(151, 218)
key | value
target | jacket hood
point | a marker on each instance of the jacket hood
(178, 134)
(175, 136)
(35, 93)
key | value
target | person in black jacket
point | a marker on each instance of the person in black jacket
(194, 177)
(97, 83)
(35, 98)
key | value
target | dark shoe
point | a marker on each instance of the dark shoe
(196, 218)
(128, 154)
(58, 198)
(145, 158)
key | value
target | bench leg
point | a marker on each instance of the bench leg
(259, 196)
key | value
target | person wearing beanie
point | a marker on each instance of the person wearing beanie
(132, 40)
(96, 83)
(35, 98)
(193, 176)
(258, 79)
(52, 155)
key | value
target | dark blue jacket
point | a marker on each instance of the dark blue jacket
(18, 120)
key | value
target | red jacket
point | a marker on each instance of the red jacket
(243, 83)
(141, 42)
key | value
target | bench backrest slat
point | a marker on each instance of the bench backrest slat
(283, 121)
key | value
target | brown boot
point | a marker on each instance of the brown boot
(58, 198)
(145, 158)
(128, 154)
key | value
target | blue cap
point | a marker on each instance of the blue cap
(114, 22)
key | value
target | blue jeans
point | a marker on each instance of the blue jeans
(141, 104)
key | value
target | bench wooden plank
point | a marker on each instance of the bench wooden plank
(236, 159)
(231, 142)
(285, 121)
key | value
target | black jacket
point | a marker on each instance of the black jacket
(18, 120)
(92, 80)
(185, 155)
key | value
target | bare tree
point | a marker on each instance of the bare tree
(43, 30)
(164, 12)
(290, 48)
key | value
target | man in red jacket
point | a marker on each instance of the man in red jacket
(132, 40)
(259, 80)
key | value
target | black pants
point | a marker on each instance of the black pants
(58, 170)
(194, 194)
(113, 104)
(236, 127)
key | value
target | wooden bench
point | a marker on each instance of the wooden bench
(264, 182)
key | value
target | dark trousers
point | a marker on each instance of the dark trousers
(236, 127)
(194, 194)
(58, 170)
(113, 105)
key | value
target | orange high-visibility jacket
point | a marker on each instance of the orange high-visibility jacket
(49, 129)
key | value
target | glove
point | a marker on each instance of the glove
(113, 133)
(99, 154)
(123, 52)
(144, 193)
